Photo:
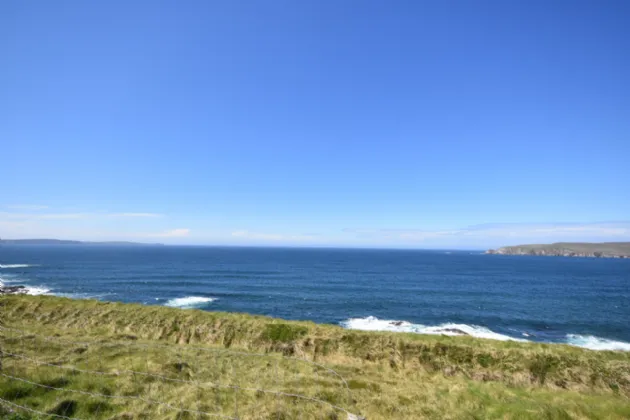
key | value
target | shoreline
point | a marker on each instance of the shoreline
(367, 324)
(613, 250)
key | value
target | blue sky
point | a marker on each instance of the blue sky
(458, 124)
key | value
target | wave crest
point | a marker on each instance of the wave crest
(16, 265)
(30, 290)
(596, 343)
(35, 291)
(371, 323)
(189, 302)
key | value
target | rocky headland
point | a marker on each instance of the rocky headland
(569, 249)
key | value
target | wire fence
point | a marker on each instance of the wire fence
(49, 376)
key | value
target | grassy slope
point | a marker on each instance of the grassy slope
(391, 375)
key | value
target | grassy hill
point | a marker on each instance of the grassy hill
(150, 353)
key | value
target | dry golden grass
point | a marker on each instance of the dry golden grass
(390, 375)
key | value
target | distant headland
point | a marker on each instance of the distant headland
(569, 249)
(70, 242)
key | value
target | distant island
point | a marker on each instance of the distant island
(69, 242)
(569, 249)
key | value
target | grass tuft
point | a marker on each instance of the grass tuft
(283, 333)
(65, 408)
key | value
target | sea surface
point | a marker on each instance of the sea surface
(579, 301)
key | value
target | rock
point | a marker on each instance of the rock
(12, 290)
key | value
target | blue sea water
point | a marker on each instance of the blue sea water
(580, 301)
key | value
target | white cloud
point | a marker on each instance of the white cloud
(9, 225)
(404, 234)
(135, 215)
(93, 225)
(273, 237)
(107, 225)
(173, 233)
(26, 207)
(42, 216)
(553, 230)
(508, 233)
(66, 216)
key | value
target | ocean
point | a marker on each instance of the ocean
(579, 301)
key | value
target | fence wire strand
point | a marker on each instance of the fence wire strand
(30, 410)
(166, 346)
(223, 361)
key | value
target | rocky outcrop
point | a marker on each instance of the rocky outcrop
(567, 249)
(12, 290)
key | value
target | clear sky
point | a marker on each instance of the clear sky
(457, 124)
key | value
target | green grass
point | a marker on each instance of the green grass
(389, 375)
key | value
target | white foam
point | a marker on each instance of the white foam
(189, 302)
(596, 343)
(35, 291)
(16, 265)
(374, 324)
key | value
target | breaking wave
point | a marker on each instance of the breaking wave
(31, 290)
(16, 265)
(34, 290)
(374, 324)
(189, 302)
(371, 323)
(24, 289)
(596, 343)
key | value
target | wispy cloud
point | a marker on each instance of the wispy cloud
(27, 207)
(68, 216)
(135, 215)
(42, 216)
(173, 233)
(404, 234)
(83, 225)
(272, 237)
(551, 230)
(7, 225)
(139, 225)
(507, 232)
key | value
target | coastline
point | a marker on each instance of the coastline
(620, 250)
(369, 323)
